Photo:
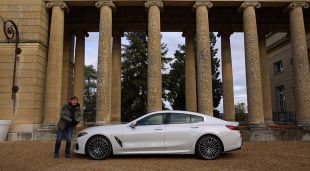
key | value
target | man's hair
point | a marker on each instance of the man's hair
(74, 98)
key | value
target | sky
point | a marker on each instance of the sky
(172, 39)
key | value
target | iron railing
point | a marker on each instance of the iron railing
(284, 117)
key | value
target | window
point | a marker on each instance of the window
(278, 67)
(156, 119)
(281, 99)
(178, 118)
(195, 119)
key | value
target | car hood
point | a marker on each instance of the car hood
(104, 129)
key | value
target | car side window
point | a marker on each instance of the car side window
(156, 119)
(196, 119)
(179, 118)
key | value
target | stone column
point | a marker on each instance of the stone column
(54, 64)
(104, 70)
(154, 77)
(204, 70)
(227, 77)
(78, 80)
(300, 62)
(116, 78)
(67, 53)
(71, 68)
(190, 72)
(252, 64)
(265, 78)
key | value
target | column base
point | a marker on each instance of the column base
(270, 123)
(303, 123)
(99, 123)
(30, 132)
(304, 126)
(48, 127)
(258, 127)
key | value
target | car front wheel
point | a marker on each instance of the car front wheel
(98, 148)
(208, 147)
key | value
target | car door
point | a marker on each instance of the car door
(180, 133)
(147, 136)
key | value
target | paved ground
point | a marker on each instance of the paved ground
(289, 155)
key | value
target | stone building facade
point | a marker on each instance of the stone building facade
(47, 75)
(280, 65)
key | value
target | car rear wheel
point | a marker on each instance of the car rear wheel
(208, 147)
(98, 148)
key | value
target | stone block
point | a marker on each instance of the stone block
(31, 18)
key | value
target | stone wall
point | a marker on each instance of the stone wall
(32, 18)
(281, 51)
(284, 78)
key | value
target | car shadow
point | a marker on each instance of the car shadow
(155, 156)
(223, 156)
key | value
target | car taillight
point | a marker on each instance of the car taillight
(232, 127)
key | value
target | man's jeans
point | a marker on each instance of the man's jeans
(68, 131)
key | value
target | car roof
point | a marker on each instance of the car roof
(179, 111)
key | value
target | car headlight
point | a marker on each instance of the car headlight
(82, 134)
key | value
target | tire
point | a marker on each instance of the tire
(208, 147)
(98, 148)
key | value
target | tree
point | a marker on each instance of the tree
(134, 75)
(90, 86)
(240, 112)
(176, 79)
(217, 86)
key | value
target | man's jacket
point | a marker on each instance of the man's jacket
(68, 115)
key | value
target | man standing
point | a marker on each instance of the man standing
(70, 116)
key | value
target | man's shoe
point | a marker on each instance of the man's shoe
(55, 155)
(68, 156)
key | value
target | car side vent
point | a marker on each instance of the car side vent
(119, 141)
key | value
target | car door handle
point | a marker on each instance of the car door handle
(194, 126)
(158, 129)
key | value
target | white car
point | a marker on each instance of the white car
(163, 132)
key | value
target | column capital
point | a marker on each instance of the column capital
(150, 3)
(298, 4)
(108, 3)
(262, 32)
(224, 34)
(81, 33)
(250, 4)
(117, 34)
(188, 33)
(59, 3)
(203, 3)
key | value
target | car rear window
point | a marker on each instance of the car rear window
(196, 119)
(178, 118)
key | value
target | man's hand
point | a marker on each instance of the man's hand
(75, 123)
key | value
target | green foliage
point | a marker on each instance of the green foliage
(176, 79)
(217, 86)
(134, 75)
(240, 114)
(90, 86)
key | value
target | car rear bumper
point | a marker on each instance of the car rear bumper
(234, 149)
(232, 141)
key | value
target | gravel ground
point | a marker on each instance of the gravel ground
(281, 155)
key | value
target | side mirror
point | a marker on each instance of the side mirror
(133, 124)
